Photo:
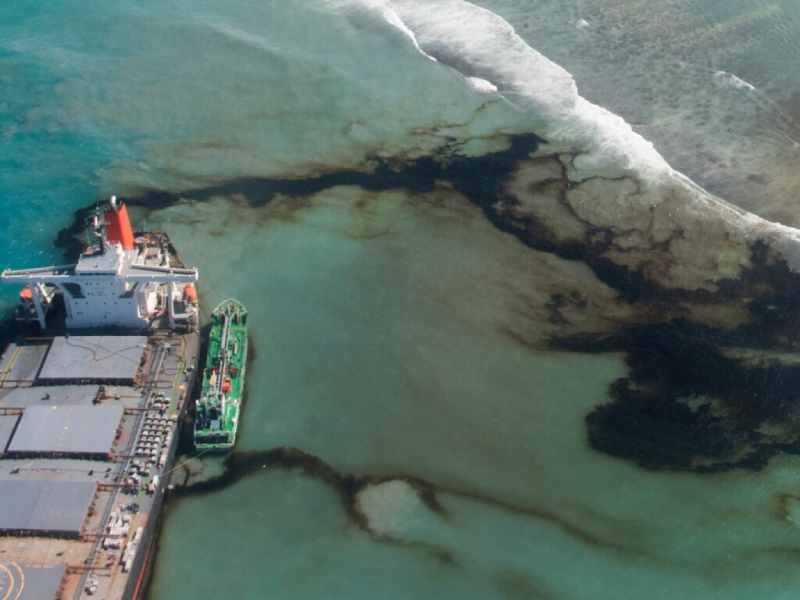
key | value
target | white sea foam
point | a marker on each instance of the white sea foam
(393, 19)
(293, 90)
(731, 80)
(482, 85)
(479, 43)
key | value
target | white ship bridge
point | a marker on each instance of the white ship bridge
(124, 280)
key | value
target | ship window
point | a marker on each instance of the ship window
(74, 290)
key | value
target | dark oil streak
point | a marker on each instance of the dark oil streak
(477, 177)
(650, 422)
(646, 422)
(768, 287)
(240, 465)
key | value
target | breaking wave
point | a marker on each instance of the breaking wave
(479, 43)
(475, 42)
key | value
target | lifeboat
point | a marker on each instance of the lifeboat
(190, 293)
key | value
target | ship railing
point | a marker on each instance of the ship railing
(39, 273)
(161, 274)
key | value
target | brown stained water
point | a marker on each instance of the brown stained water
(380, 325)
(412, 430)
(711, 83)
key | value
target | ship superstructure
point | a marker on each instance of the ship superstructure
(122, 280)
(218, 408)
(90, 407)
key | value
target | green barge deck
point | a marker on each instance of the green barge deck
(218, 409)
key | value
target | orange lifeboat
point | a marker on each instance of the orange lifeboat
(226, 386)
(190, 293)
(26, 294)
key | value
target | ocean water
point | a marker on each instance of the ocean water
(442, 449)
(711, 82)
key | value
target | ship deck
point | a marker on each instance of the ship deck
(223, 379)
(64, 491)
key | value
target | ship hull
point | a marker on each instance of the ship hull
(219, 407)
(136, 588)
(90, 410)
(117, 582)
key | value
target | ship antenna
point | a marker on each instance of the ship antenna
(96, 221)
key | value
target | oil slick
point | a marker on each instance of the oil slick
(448, 365)
(504, 350)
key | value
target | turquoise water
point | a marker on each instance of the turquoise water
(389, 363)
(397, 332)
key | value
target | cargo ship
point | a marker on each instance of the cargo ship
(217, 411)
(92, 394)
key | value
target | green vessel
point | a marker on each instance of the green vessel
(217, 414)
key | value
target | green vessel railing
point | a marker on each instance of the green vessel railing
(217, 411)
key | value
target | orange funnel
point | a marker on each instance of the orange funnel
(118, 227)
